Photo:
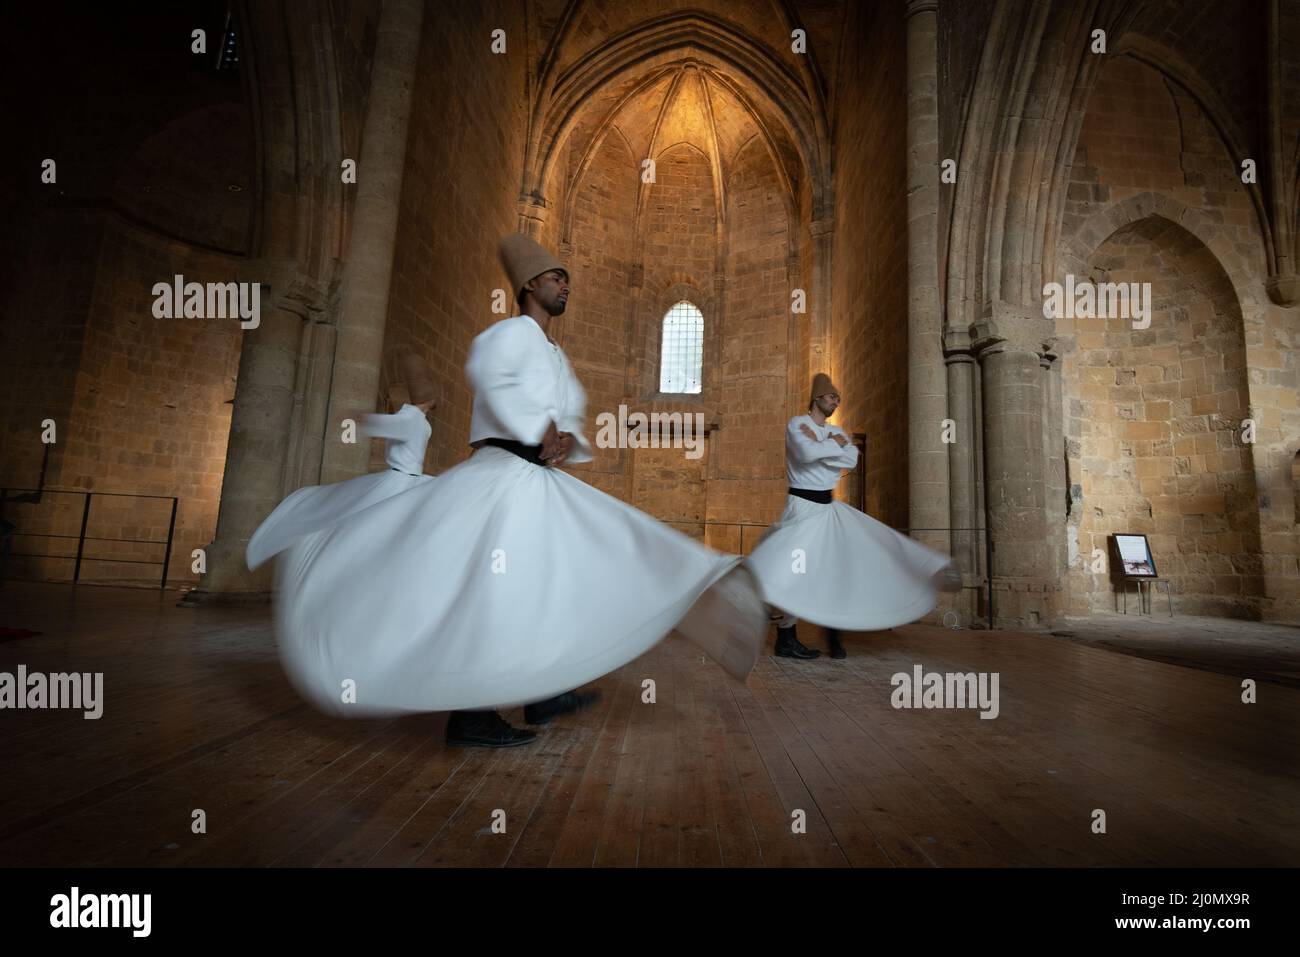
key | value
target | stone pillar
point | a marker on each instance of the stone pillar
(369, 267)
(713, 350)
(308, 429)
(286, 360)
(796, 382)
(1054, 466)
(1010, 342)
(819, 340)
(1284, 286)
(927, 386)
(637, 382)
(963, 512)
(254, 477)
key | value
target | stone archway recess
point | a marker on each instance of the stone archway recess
(1192, 363)
(999, 247)
(1104, 223)
(1272, 447)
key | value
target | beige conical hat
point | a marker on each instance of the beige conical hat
(821, 385)
(526, 259)
(421, 386)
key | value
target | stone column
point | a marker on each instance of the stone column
(1010, 342)
(254, 477)
(796, 382)
(290, 63)
(967, 546)
(1284, 286)
(819, 340)
(308, 431)
(1054, 466)
(927, 386)
(369, 267)
(637, 381)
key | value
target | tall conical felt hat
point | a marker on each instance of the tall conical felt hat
(525, 259)
(821, 385)
(421, 386)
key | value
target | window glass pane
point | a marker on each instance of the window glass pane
(681, 356)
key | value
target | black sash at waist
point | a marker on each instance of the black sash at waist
(821, 497)
(394, 468)
(529, 453)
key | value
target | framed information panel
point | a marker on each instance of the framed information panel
(1135, 556)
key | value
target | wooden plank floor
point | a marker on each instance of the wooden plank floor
(198, 716)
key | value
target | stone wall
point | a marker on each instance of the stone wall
(870, 255)
(1155, 417)
(460, 189)
(154, 178)
(1157, 414)
(598, 329)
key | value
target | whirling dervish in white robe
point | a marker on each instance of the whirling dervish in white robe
(315, 507)
(829, 563)
(504, 581)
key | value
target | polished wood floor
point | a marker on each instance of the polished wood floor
(198, 716)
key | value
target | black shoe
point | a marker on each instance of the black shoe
(789, 646)
(484, 729)
(540, 712)
(833, 642)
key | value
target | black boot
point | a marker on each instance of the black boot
(789, 646)
(484, 729)
(541, 712)
(833, 643)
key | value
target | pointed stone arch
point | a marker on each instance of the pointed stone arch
(1103, 223)
(657, 46)
(1170, 64)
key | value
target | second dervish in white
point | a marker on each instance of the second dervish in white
(829, 563)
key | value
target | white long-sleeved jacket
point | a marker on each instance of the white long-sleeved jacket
(816, 465)
(407, 432)
(522, 382)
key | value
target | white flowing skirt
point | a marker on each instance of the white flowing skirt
(498, 584)
(840, 568)
(315, 507)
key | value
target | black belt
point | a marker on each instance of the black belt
(529, 453)
(394, 468)
(823, 497)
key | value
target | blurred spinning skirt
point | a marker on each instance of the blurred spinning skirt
(835, 566)
(316, 507)
(500, 583)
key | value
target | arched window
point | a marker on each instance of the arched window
(681, 356)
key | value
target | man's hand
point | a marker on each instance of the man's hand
(556, 446)
(840, 440)
(806, 429)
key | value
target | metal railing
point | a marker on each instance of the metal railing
(988, 559)
(30, 496)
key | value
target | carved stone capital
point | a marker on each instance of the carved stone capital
(1283, 289)
(1012, 327)
(286, 288)
(956, 342)
(533, 212)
